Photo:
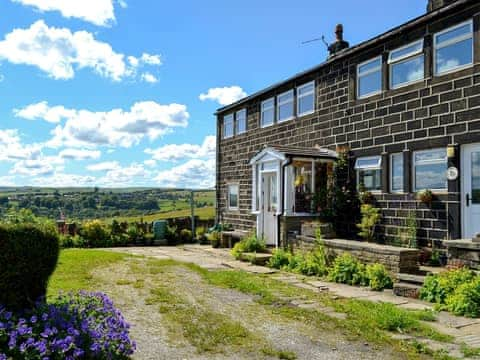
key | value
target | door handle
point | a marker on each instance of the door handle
(467, 199)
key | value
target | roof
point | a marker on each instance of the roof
(354, 49)
(283, 152)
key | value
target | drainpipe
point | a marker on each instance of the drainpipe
(282, 194)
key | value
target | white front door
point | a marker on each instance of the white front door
(269, 207)
(471, 190)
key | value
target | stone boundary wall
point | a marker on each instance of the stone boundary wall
(396, 259)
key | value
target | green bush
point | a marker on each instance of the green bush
(438, 287)
(465, 300)
(28, 256)
(214, 238)
(185, 236)
(280, 259)
(378, 277)
(370, 218)
(96, 234)
(250, 244)
(348, 270)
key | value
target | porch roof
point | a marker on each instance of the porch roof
(283, 152)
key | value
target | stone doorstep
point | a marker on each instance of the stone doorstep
(410, 278)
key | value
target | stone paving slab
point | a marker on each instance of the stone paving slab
(416, 306)
(383, 298)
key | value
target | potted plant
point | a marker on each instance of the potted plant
(425, 196)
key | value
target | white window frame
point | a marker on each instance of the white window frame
(229, 192)
(237, 131)
(300, 96)
(230, 118)
(450, 42)
(262, 110)
(392, 190)
(404, 58)
(371, 71)
(291, 101)
(426, 162)
(377, 166)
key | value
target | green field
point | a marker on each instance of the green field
(205, 213)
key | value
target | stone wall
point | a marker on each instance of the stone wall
(395, 259)
(436, 112)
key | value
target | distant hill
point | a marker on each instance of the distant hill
(94, 203)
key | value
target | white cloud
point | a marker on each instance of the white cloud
(61, 179)
(134, 174)
(104, 166)
(12, 149)
(195, 173)
(224, 95)
(98, 12)
(41, 110)
(177, 152)
(151, 59)
(123, 4)
(84, 128)
(7, 181)
(150, 163)
(59, 52)
(79, 154)
(41, 166)
(149, 78)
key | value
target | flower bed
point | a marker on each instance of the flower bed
(73, 326)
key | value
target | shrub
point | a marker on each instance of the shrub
(348, 270)
(95, 234)
(438, 287)
(135, 234)
(465, 300)
(185, 236)
(370, 218)
(81, 326)
(214, 238)
(28, 256)
(280, 259)
(171, 235)
(248, 245)
(378, 277)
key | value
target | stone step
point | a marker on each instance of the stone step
(406, 290)
(411, 278)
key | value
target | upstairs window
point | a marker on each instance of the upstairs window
(407, 65)
(396, 172)
(454, 48)
(369, 173)
(369, 78)
(241, 121)
(430, 169)
(233, 197)
(228, 126)
(285, 106)
(267, 112)
(306, 99)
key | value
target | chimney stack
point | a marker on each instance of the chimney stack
(437, 4)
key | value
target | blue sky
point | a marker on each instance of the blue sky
(122, 93)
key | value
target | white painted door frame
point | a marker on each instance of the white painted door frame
(470, 203)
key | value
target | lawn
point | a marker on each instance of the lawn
(74, 270)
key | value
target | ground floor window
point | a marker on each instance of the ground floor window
(369, 173)
(233, 197)
(396, 172)
(430, 169)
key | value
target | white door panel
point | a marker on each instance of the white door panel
(471, 190)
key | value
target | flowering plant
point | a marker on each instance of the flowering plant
(73, 326)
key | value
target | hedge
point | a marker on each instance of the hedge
(28, 256)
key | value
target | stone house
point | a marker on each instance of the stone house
(406, 105)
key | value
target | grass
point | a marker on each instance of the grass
(206, 330)
(75, 266)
